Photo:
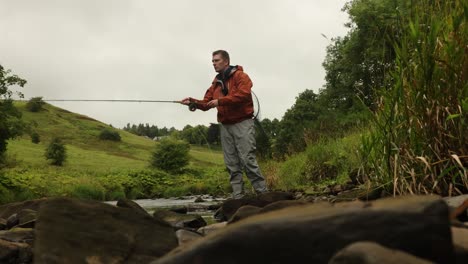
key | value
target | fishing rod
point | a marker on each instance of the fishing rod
(192, 105)
(109, 100)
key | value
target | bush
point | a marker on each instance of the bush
(88, 192)
(56, 152)
(35, 138)
(111, 135)
(35, 104)
(171, 155)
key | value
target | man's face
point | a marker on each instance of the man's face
(219, 63)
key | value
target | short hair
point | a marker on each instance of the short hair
(224, 54)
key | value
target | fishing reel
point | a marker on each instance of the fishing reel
(192, 106)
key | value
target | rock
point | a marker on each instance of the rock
(209, 229)
(249, 210)
(460, 242)
(281, 204)
(362, 193)
(230, 207)
(3, 224)
(185, 236)
(185, 221)
(418, 225)
(126, 203)
(298, 195)
(82, 231)
(27, 215)
(26, 218)
(18, 235)
(458, 207)
(455, 201)
(214, 207)
(337, 188)
(373, 253)
(179, 209)
(8, 209)
(12, 252)
(199, 200)
(271, 197)
(357, 178)
(12, 221)
(244, 212)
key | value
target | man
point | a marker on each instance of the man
(230, 93)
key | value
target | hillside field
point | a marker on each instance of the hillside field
(99, 169)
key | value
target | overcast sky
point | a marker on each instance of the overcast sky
(161, 50)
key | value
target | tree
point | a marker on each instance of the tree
(213, 134)
(194, 135)
(56, 152)
(301, 116)
(10, 118)
(171, 155)
(356, 65)
(112, 135)
(35, 104)
(35, 138)
(262, 139)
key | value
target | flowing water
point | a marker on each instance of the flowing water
(200, 208)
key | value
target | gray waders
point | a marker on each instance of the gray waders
(238, 141)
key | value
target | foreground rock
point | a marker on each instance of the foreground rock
(230, 207)
(314, 233)
(75, 231)
(180, 221)
(12, 252)
(373, 253)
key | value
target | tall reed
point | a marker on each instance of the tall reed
(420, 140)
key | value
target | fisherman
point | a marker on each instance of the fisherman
(230, 93)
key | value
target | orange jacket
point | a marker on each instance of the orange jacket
(237, 105)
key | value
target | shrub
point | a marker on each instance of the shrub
(112, 135)
(170, 155)
(35, 138)
(35, 104)
(88, 192)
(56, 152)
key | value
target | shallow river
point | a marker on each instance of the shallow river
(200, 208)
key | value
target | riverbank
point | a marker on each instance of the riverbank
(285, 227)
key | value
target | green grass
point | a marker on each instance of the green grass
(97, 169)
(323, 163)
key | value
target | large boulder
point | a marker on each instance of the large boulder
(12, 252)
(244, 212)
(18, 235)
(186, 236)
(458, 207)
(180, 221)
(7, 210)
(230, 207)
(77, 231)
(373, 253)
(314, 233)
(460, 242)
(126, 203)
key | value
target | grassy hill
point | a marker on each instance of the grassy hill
(95, 168)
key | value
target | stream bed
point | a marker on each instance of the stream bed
(201, 208)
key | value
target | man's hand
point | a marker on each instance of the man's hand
(185, 101)
(213, 103)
